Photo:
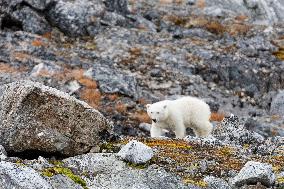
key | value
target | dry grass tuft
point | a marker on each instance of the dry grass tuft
(47, 35)
(6, 68)
(215, 27)
(141, 117)
(112, 97)
(200, 4)
(37, 43)
(280, 53)
(88, 82)
(91, 96)
(238, 29)
(120, 107)
(217, 116)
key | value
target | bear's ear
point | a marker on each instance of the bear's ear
(148, 106)
(165, 106)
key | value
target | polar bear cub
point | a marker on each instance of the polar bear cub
(179, 114)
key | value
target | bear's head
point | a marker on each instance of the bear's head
(158, 111)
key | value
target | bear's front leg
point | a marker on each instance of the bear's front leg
(180, 130)
(156, 131)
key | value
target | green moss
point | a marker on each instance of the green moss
(49, 172)
(280, 53)
(199, 183)
(137, 166)
(109, 148)
(280, 180)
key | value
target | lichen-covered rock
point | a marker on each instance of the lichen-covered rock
(254, 172)
(106, 171)
(19, 176)
(232, 131)
(34, 117)
(3, 153)
(119, 6)
(136, 152)
(216, 183)
(277, 104)
(63, 182)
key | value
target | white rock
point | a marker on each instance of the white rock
(136, 152)
(254, 172)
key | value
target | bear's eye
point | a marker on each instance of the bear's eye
(158, 112)
(151, 112)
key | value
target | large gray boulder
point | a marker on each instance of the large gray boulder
(18, 177)
(34, 117)
(254, 172)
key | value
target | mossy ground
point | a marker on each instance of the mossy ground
(185, 159)
(59, 169)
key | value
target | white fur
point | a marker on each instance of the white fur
(178, 115)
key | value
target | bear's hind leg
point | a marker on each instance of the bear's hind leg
(203, 129)
(156, 131)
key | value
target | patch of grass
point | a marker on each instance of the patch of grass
(141, 116)
(199, 183)
(109, 147)
(280, 53)
(215, 27)
(49, 172)
(91, 96)
(120, 107)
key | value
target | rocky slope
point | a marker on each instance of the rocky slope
(117, 56)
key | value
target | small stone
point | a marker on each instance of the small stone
(136, 152)
(216, 183)
(254, 172)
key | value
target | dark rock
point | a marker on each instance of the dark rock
(31, 21)
(119, 82)
(277, 104)
(119, 6)
(74, 17)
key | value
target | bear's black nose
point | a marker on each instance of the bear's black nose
(154, 120)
